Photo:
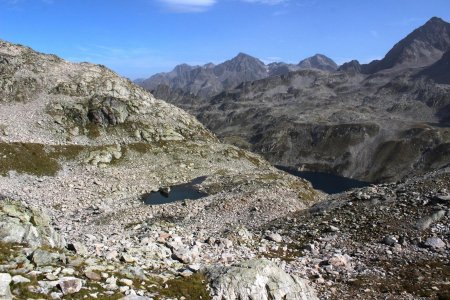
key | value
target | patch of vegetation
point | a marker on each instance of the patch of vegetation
(93, 131)
(39, 159)
(191, 288)
(93, 288)
(141, 148)
(8, 250)
(418, 279)
(27, 158)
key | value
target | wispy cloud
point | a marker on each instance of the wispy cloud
(188, 6)
(271, 59)
(130, 62)
(17, 2)
(269, 2)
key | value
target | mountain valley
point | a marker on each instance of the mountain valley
(82, 150)
(376, 122)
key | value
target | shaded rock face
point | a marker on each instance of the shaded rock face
(19, 224)
(257, 280)
(439, 71)
(351, 67)
(107, 111)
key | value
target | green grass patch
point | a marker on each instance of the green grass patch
(191, 288)
(39, 159)
(26, 158)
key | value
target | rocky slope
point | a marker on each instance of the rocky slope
(374, 127)
(388, 241)
(86, 145)
(439, 72)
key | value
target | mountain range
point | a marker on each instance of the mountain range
(376, 122)
(210, 79)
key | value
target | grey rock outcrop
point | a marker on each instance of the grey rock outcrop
(427, 221)
(257, 280)
(19, 224)
(5, 292)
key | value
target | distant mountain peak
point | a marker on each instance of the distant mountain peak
(435, 20)
(318, 61)
(422, 47)
(243, 57)
(242, 63)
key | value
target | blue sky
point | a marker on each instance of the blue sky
(138, 38)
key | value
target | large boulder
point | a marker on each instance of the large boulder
(19, 224)
(5, 292)
(257, 279)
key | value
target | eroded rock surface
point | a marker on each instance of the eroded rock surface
(19, 224)
(257, 280)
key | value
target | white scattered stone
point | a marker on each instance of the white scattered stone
(125, 281)
(70, 285)
(20, 279)
(275, 237)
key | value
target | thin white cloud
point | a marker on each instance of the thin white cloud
(130, 62)
(269, 2)
(271, 59)
(188, 6)
(17, 2)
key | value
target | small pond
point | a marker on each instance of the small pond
(177, 193)
(329, 183)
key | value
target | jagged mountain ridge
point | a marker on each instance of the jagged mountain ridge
(210, 79)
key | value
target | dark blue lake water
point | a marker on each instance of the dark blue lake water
(329, 183)
(177, 193)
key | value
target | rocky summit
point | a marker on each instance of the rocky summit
(377, 122)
